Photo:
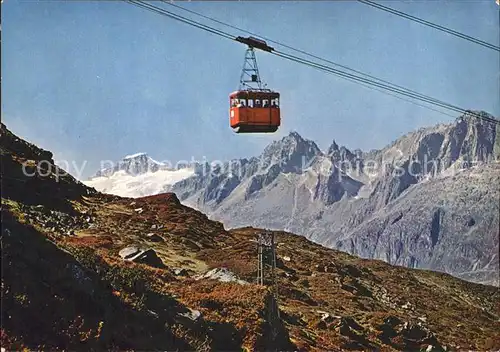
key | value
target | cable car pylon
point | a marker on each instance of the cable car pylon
(266, 276)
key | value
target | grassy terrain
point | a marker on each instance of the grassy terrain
(65, 286)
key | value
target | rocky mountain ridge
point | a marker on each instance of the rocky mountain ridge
(134, 164)
(349, 199)
(152, 274)
(340, 198)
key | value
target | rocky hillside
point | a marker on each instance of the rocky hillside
(429, 200)
(88, 271)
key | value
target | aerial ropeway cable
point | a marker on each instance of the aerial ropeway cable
(430, 24)
(168, 2)
(407, 92)
(357, 77)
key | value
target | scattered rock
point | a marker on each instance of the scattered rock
(138, 210)
(387, 328)
(392, 321)
(345, 325)
(321, 325)
(221, 274)
(153, 237)
(328, 318)
(55, 221)
(128, 252)
(190, 244)
(291, 275)
(407, 305)
(326, 267)
(417, 333)
(471, 222)
(286, 258)
(190, 316)
(351, 270)
(181, 272)
(348, 322)
(153, 313)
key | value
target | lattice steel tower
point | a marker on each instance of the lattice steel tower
(250, 77)
(266, 275)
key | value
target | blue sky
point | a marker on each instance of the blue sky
(96, 81)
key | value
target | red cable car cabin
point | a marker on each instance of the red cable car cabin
(254, 111)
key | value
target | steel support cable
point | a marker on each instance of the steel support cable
(313, 56)
(386, 86)
(172, 15)
(319, 58)
(430, 24)
(291, 48)
(377, 84)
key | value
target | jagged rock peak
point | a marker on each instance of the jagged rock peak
(295, 139)
(340, 153)
(135, 156)
(333, 147)
(291, 152)
(295, 135)
(140, 157)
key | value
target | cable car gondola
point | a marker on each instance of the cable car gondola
(253, 108)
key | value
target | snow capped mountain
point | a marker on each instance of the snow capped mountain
(123, 184)
(135, 164)
(137, 175)
(292, 153)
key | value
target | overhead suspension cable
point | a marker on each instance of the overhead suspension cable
(226, 35)
(168, 2)
(380, 85)
(430, 24)
(174, 16)
(428, 98)
(370, 82)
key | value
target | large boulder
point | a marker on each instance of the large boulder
(188, 317)
(138, 255)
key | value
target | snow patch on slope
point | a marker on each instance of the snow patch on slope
(150, 183)
(134, 155)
